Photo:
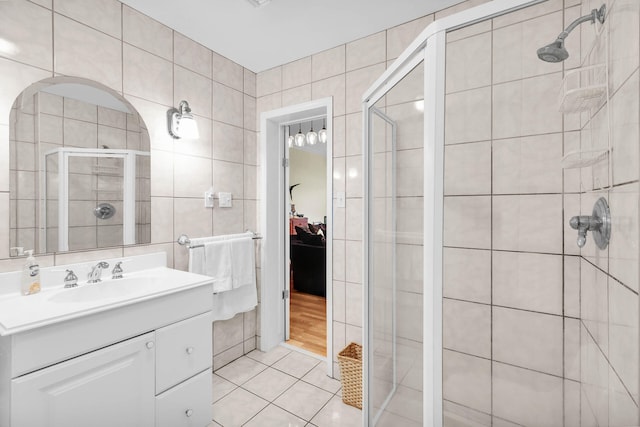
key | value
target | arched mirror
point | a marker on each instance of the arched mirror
(79, 169)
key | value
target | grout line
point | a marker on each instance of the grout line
(491, 242)
(608, 274)
(506, 250)
(492, 361)
(597, 344)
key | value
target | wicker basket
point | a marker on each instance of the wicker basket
(351, 374)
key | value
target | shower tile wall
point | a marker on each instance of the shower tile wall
(154, 68)
(536, 331)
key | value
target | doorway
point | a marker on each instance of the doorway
(306, 187)
(276, 214)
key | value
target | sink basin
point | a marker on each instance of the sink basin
(115, 288)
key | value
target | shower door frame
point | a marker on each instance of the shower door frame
(394, 347)
(430, 47)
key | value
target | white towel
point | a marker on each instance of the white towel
(238, 270)
(218, 265)
(243, 262)
(213, 260)
(228, 304)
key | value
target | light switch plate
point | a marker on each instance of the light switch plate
(340, 199)
(225, 200)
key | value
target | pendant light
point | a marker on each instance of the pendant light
(322, 134)
(312, 137)
(290, 140)
(299, 138)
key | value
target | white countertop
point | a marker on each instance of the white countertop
(56, 304)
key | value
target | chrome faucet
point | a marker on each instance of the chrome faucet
(116, 273)
(96, 272)
(599, 223)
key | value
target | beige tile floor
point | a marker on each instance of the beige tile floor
(280, 388)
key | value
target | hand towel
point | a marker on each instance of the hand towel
(243, 261)
(213, 260)
(228, 304)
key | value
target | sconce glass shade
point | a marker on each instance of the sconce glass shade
(312, 137)
(299, 139)
(322, 135)
(290, 140)
(182, 124)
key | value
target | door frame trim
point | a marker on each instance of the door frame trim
(274, 221)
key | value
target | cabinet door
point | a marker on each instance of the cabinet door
(110, 387)
(183, 350)
(187, 404)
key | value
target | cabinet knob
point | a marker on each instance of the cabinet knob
(189, 350)
(150, 344)
(188, 412)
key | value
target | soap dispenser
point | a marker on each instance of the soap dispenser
(30, 275)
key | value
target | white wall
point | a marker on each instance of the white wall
(310, 170)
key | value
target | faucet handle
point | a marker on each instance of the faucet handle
(71, 280)
(117, 271)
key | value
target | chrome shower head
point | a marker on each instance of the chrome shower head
(556, 52)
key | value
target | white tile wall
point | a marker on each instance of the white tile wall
(467, 327)
(528, 281)
(527, 397)
(467, 274)
(33, 47)
(527, 339)
(104, 16)
(75, 53)
(467, 380)
(146, 33)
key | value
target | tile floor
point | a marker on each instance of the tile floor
(280, 388)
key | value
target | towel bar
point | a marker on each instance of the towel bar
(185, 241)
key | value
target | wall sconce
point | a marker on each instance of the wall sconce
(181, 122)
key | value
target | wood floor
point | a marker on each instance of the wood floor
(308, 322)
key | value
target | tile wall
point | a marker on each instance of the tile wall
(537, 331)
(154, 68)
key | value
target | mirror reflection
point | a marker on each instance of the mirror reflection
(79, 169)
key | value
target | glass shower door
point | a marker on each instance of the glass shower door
(395, 306)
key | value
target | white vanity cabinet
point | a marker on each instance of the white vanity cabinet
(143, 363)
(109, 387)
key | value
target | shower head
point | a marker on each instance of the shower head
(556, 52)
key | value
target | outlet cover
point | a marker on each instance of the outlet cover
(225, 200)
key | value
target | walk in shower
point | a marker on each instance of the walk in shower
(99, 196)
(485, 307)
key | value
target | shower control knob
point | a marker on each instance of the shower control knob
(599, 223)
(581, 241)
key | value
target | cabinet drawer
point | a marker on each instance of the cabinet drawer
(187, 404)
(182, 350)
